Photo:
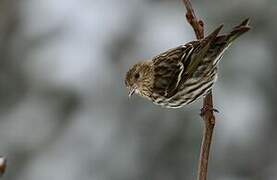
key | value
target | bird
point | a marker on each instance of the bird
(181, 75)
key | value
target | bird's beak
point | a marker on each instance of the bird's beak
(132, 91)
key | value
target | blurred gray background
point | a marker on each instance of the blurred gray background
(65, 113)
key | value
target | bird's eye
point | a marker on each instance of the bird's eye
(136, 75)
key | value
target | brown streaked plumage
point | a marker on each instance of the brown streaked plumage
(181, 75)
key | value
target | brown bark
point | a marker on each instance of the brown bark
(208, 115)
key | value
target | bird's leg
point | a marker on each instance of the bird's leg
(206, 108)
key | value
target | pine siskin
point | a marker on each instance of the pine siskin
(181, 75)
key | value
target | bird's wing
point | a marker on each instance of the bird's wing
(169, 69)
(173, 67)
(200, 51)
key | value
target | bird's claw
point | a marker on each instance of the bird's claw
(207, 108)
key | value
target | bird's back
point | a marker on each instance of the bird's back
(185, 73)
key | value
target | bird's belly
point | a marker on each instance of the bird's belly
(188, 93)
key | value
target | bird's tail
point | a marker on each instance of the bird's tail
(237, 31)
(211, 48)
(221, 42)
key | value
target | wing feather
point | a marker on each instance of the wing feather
(169, 69)
(175, 66)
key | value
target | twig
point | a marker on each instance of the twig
(208, 116)
(197, 24)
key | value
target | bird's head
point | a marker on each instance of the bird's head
(139, 79)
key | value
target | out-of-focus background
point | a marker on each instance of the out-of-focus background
(65, 113)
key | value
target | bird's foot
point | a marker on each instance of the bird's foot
(207, 108)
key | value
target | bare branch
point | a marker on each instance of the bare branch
(197, 24)
(208, 116)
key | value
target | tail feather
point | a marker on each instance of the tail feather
(238, 31)
(211, 48)
(244, 23)
(221, 42)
